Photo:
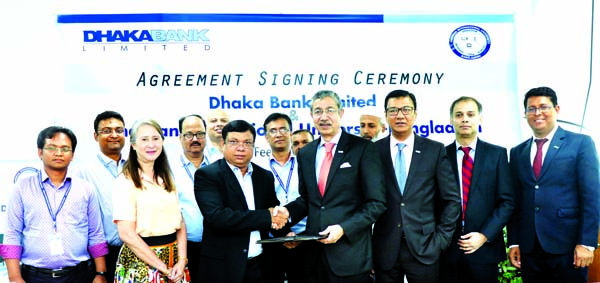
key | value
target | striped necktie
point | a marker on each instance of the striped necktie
(467, 173)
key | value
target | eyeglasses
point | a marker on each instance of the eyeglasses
(543, 109)
(57, 149)
(282, 131)
(393, 111)
(108, 131)
(190, 136)
(237, 144)
(328, 111)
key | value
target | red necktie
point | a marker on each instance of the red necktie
(467, 172)
(325, 167)
(537, 160)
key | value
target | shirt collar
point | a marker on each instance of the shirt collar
(292, 156)
(234, 168)
(186, 162)
(549, 136)
(472, 145)
(107, 160)
(409, 142)
(335, 140)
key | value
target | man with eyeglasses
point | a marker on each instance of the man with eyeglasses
(342, 191)
(284, 166)
(554, 231)
(192, 136)
(54, 221)
(238, 201)
(422, 196)
(101, 171)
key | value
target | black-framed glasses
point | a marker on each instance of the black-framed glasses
(393, 111)
(190, 136)
(108, 131)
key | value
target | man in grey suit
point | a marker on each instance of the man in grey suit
(482, 171)
(342, 197)
(422, 196)
(554, 230)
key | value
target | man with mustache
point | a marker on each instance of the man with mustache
(192, 136)
(342, 190)
(372, 127)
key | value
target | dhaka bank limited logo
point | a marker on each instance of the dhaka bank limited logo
(146, 36)
(470, 42)
(146, 39)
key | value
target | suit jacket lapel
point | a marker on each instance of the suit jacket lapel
(478, 162)
(414, 163)
(525, 160)
(388, 163)
(257, 187)
(308, 166)
(553, 147)
(451, 152)
(232, 182)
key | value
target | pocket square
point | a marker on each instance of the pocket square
(345, 165)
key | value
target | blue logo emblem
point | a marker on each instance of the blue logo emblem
(470, 42)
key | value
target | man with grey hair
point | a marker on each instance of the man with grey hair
(342, 190)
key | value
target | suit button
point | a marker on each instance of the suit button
(401, 204)
(245, 251)
(399, 225)
(537, 208)
(322, 208)
(537, 187)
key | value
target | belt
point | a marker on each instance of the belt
(160, 240)
(60, 272)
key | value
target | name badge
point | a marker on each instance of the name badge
(56, 244)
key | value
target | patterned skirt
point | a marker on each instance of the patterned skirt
(131, 269)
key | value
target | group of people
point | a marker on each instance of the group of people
(384, 208)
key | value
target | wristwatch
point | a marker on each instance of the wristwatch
(101, 273)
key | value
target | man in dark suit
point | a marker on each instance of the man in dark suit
(482, 172)
(554, 230)
(342, 202)
(237, 199)
(422, 196)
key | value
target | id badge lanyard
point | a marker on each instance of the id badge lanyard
(52, 214)
(285, 188)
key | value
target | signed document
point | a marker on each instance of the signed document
(297, 238)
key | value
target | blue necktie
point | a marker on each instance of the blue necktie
(400, 167)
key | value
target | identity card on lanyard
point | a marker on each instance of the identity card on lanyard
(55, 237)
(285, 188)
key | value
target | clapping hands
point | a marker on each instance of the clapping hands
(279, 217)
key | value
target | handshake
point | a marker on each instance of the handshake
(279, 217)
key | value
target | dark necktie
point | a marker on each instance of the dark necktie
(537, 160)
(324, 172)
(467, 173)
